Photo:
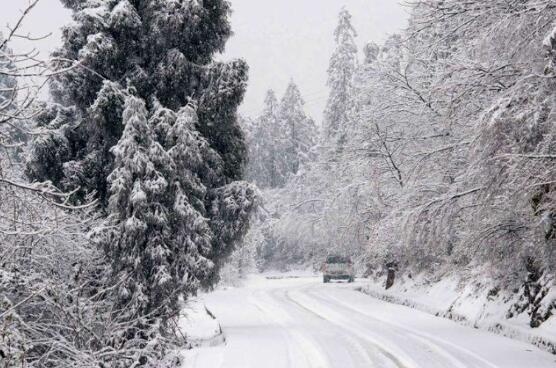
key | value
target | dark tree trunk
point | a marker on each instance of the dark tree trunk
(391, 274)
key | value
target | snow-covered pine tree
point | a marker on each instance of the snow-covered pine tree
(162, 239)
(165, 163)
(299, 130)
(340, 74)
(138, 245)
(164, 50)
(271, 145)
(267, 166)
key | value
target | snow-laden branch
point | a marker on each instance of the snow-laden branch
(14, 29)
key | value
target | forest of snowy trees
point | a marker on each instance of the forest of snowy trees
(135, 182)
(436, 151)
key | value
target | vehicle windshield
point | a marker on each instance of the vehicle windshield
(337, 259)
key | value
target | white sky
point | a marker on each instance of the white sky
(280, 39)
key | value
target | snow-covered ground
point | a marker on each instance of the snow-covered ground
(300, 322)
(199, 326)
(472, 302)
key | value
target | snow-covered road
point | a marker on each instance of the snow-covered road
(302, 323)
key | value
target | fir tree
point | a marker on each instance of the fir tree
(161, 49)
(342, 67)
(267, 163)
(162, 238)
(300, 130)
(141, 254)
(148, 124)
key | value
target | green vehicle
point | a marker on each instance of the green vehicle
(337, 268)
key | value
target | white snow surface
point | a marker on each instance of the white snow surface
(301, 322)
(469, 303)
(198, 326)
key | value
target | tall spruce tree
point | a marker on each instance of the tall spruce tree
(267, 161)
(300, 130)
(342, 67)
(164, 50)
(162, 238)
(146, 121)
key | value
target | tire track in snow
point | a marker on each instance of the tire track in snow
(373, 354)
(398, 363)
(357, 355)
(434, 350)
(391, 331)
(311, 354)
(429, 340)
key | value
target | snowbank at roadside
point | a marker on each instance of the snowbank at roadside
(202, 331)
(199, 326)
(478, 303)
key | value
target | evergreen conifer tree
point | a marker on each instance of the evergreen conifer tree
(300, 130)
(146, 121)
(163, 50)
(342, 67)
(268, 166)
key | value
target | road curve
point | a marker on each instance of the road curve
(302, 323)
